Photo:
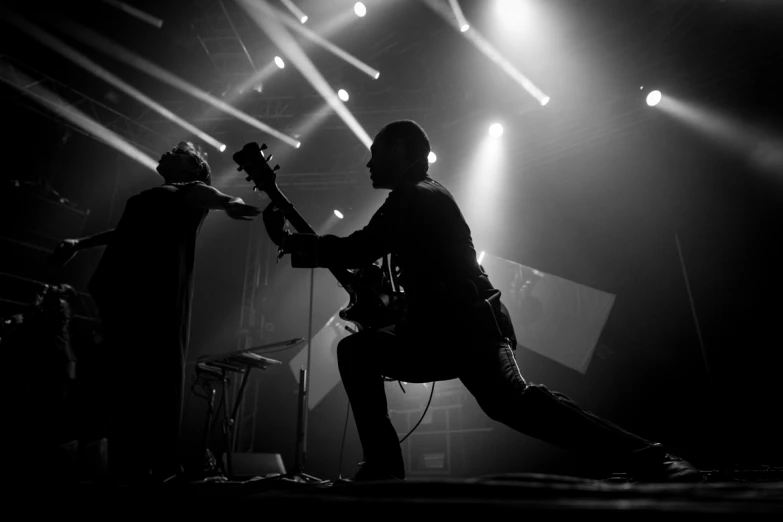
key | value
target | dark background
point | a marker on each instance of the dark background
(596, 186)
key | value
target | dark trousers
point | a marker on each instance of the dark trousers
(143, 380)
(485, 364)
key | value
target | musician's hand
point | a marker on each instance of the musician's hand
(274, 221)
(237, 209)
(63, 253)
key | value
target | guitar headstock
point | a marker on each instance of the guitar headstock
(251, 159)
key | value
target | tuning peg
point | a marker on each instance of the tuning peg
(240, 168)
(263, 146)
(269, 158)
(277, 167)
(248, 178)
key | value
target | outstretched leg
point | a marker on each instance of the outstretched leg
(493, 377)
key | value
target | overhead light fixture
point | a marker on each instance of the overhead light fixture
(496, 130)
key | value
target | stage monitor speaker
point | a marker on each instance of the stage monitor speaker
(256, 464)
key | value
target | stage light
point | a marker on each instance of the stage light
(279, 62)
(141, 15)
(329, 46)
(480, 257)
(654, 98)
(460, 18)
(298, 13)
(67, 110)
(544, 100)
(483, 45)
(496, 130)
(431, 157)
(274, 27)
(343, 95)
(338, 214)
(359, 9)
(80, 59)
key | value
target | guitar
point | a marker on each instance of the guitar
(372, 302)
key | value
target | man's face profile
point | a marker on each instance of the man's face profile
(387, 163)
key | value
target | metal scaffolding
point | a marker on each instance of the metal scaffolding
(17, 75)
(252, 329)
(218, 32)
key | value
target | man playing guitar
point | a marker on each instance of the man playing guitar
(454, 325)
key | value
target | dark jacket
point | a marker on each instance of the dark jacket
(421, 224)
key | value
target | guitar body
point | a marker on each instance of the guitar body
(373, 303)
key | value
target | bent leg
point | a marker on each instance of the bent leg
(364, 359)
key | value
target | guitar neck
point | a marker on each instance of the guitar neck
(343, 276)
(291, 214)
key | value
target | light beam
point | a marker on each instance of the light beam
(461, 22)
(271, 24)
(78, 58)
(136, 13)
(298, 13)
(329, 46)
(488, 50)
(98, 42)
(29, 87)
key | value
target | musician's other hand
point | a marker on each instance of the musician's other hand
(237, 209)
(274, 221)
(63, 253)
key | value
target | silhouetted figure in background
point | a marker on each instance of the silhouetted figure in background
(37, 350)
(143, 289)
(455, 325)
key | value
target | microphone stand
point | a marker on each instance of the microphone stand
(298, 473)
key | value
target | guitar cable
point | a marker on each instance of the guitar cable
(427, 407)
(345, 428)
(386, 267)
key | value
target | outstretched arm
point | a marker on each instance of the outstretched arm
(69, 247)
(99, 239)
(210, 198)
(354, 251)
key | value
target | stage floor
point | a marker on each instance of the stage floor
(741, 495)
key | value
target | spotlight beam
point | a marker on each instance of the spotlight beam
(461, 22)
(298, 13)
(141, 15)
(488, 50)
(118, 52)
(329, 46)
(72, 54)
(266, 18)
(32, 88)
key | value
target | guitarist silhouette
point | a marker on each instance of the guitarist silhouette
(454, 325)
